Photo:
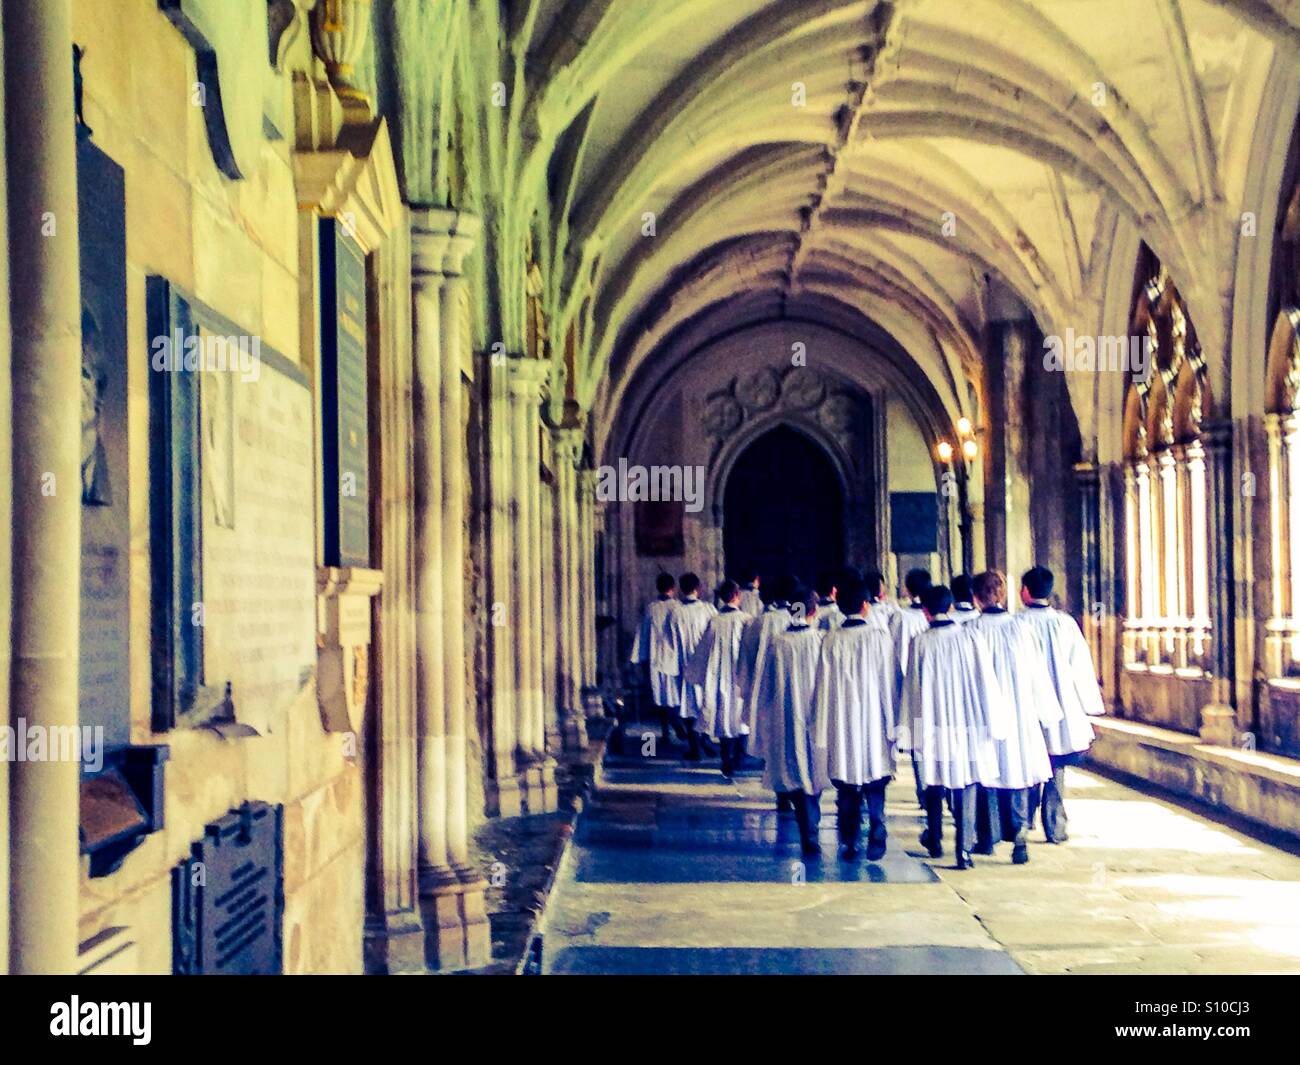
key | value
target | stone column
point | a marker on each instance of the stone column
(505, 795)
(1218, 719)
(460, 719)
(588, 594)
(537, 771)
(550, 618)
(456, 929)
(45, 312)
(1098, 618)
(568, 452)
(394, 938)
(1006, 488)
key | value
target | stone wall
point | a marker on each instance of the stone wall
(235, 246)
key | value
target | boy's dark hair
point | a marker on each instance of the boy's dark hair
(728, 590)
(689, 584)
(803, 602)
(748, 575)
(937, 599)
(782, 588)
(874, 582)
(962, 588)
(852, 594)
(664, 583)
(1038, 582)
(916, 582)
(827, 582)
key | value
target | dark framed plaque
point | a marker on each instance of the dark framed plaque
(175, 509)
(914, 523)
(104, 691)
(345, 446)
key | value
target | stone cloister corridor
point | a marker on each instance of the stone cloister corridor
(482, 477)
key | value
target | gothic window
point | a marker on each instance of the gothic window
(1167, 565)
(1282, 423)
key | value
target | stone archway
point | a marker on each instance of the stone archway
(783, 507)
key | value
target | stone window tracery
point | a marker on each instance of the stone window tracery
(1167, 570)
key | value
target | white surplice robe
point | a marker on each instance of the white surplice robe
(652, 645)
(829, 616)
(1019, 664)
(783, 727)
(906, 623)
(751, 602)
(1069, 664)
(855, 712)
(963, 613)
(713, 667)
(955, 706)
(753, 647)
(685, 626)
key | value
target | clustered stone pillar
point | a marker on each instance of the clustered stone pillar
(452, 893)
(46, 363)
(536, 766)
(507, 793)
(588, 596)
(1218, 720)
(568, 453)
(1006, 490)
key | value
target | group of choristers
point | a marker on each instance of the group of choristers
(826, 685)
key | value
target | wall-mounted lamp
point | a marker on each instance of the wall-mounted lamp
(944, 451)
(964, 426)
(970, 449)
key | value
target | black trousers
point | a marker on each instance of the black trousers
(807, 813)
(964, 809)
(1050, 796)
(988, 818)
(848, 810)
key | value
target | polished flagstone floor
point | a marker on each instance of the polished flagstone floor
(675, 870)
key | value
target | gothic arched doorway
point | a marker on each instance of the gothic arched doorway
(783, 508)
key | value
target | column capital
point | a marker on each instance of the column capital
(568, 443)
(441, 239)
(527, 377)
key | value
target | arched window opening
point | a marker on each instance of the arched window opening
(1167, 557)
(1282, 425)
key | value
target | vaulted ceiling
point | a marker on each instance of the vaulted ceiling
(920, 163)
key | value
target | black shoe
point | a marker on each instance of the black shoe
(1062, 838)
(964, 860)
(935, 848)
(1020, 854)
(708, 746)
(985, 849)
(692, 755)
(812, 850)
(876, 848)
(850, 853)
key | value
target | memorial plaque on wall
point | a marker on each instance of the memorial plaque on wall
(914, 523)
(232, 516)
(259, 566)
(104, 692)
(344, 428)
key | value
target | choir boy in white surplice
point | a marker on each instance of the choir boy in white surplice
(686, 626)
(907, 622)
(963, 600)
(750, 600)
(856, 720)
(883, 608)
(774, 619)
(783, 736)
(1022, 757)
(652, 648)
(829, 615)
(957, 712)
(712, 667)
(1074, 676)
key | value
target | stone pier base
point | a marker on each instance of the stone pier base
(457, 932)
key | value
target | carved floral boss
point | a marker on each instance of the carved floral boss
(798, 390)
